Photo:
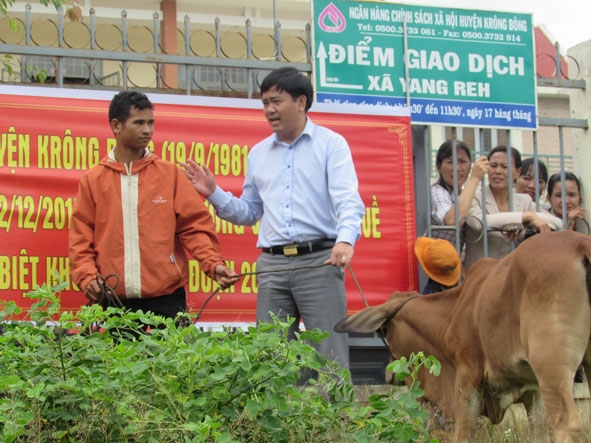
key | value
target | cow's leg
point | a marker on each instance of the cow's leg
(555, 374)
(468, 401)
(555, 367)
(562, 414)
(557, 336)
(538, 428)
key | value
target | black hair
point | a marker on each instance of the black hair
(122, 103)
(529, 163)
(445, 151)
(292, 81)
(555, 178)
(515, 154)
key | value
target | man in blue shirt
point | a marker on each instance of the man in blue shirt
(301, 183)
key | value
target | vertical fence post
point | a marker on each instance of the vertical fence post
(124, 46)
(188, 68)
(249, 71)
(156, 39)
(92, 76)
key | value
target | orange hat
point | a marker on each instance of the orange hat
(439, 259)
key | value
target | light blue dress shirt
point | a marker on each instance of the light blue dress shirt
(304, 191)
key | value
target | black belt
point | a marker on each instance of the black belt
(300, 248)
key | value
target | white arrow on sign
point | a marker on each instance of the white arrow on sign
(322, 56)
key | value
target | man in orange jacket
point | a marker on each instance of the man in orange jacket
(134, 216)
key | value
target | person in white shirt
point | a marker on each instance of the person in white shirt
(301, 183)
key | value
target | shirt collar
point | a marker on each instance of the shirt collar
(308, 130)
(111, 154)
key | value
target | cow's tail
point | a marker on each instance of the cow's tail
(584, 248)
(587, 264)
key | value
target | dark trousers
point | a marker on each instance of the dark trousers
(168, 306)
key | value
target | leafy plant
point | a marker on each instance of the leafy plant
(73, 13)
(97, 376)
(4, 4)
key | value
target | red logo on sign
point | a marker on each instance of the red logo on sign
(331, 19)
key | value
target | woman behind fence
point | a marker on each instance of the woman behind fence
(526, 181)
(504, 224)
(574, 210)
(442, 194)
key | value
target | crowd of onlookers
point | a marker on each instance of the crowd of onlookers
(516, 200)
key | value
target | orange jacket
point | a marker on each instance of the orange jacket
(137, 224)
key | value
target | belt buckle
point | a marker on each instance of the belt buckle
(290, 250)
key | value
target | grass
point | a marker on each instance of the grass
(513, 428)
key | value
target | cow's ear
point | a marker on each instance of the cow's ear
(365, 321)
(341, 326)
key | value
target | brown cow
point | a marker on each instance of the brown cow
(515, 327)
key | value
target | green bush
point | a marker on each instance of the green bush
(64, 379)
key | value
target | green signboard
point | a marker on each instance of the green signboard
(463, 67)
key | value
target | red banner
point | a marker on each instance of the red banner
(50, 137)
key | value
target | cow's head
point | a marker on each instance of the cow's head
(411, 323)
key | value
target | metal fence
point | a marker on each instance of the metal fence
(210, 60)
